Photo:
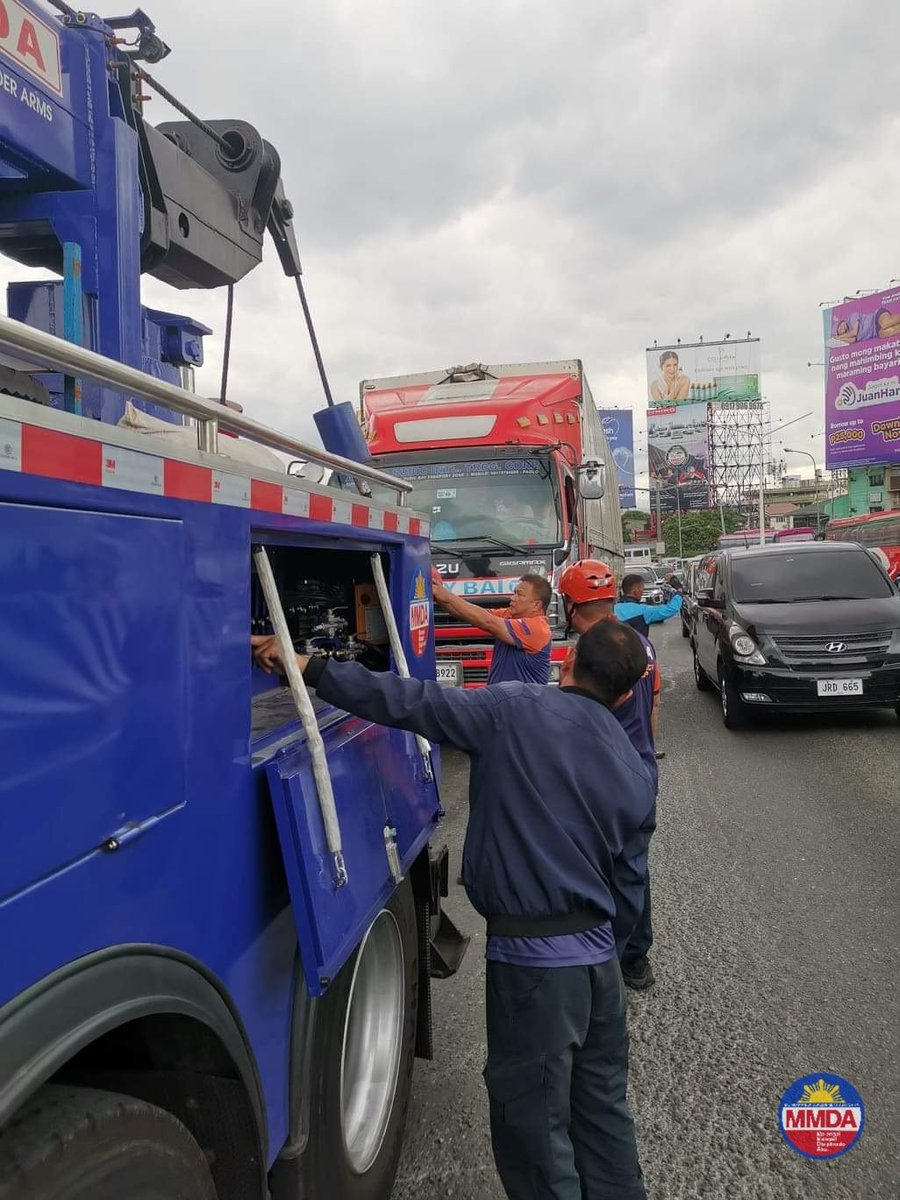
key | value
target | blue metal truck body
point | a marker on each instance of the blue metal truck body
(126, 692)
(172, 928)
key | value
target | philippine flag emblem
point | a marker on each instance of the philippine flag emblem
(821, 1115)
(419, 614)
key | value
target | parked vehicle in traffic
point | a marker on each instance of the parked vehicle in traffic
(875, 531)
(798, 533)
(743, 539)
(653, 583)
(689, 607)
(808, 628)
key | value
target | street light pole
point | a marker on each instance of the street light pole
(762, 484)
(812, 459)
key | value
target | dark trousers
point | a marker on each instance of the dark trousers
(556, 1073)
(641, 939)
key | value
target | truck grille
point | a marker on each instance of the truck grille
(475, 674)
(810, 651)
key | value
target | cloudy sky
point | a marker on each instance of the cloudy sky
(511, 180)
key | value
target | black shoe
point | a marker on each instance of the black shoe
(660, 754)
(638, 974)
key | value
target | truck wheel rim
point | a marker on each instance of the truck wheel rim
(373, 1038)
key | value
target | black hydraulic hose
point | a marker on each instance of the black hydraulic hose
(315, 341)
(226, 353)
(183, 109)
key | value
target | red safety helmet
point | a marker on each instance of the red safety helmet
(587, 580)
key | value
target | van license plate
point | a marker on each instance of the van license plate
(839, 687)
(449, 674)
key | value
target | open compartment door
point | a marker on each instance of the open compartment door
(331, 920)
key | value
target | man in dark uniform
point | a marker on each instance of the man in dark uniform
(561, 812)
(588, 589)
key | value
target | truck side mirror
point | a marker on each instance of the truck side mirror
(592, 480)
(313, 472)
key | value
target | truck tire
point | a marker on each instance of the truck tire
(361, 1063)
(79, 1144)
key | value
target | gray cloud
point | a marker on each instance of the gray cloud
(522, 180)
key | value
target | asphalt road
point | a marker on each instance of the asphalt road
(777, 927)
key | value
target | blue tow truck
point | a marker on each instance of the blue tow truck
(220, 910)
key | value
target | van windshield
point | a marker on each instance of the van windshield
(784, 578)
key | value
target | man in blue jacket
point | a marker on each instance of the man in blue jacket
(561, 813)
(632, 611)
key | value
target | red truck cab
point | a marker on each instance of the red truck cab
(504, 462)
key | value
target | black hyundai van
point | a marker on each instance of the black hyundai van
(809, 627)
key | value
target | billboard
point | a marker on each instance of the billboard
(618, 425)
(702, 373)
(862, 381)
(678, 450)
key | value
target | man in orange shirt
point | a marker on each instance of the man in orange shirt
(521, 632)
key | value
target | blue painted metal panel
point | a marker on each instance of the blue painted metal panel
(209, 880)
(46, 135)
(378, 780)
(92, 681)
(77, 161)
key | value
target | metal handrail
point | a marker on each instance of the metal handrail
(55, 354)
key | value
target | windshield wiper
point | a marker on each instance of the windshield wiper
(486, 537)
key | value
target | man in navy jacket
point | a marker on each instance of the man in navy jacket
(561, 813)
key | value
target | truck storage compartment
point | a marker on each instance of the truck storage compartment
(93, 681)
(385, 800)
(331, 606)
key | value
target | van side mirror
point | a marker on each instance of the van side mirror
(592, 479)
(706, 599)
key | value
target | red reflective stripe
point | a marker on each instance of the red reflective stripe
(61, 456)
(319, 507)
(415, 527)
(390, 522)
(267, 496)
(184, 481)
(359, 515)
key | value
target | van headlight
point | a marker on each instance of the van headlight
(744, 647)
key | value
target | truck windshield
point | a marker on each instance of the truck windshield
(783, 578)
(509, 501)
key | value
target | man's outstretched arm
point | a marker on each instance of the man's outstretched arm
(472, 614)
(464, 719)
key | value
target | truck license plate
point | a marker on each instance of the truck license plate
(449, 674)
(839, 687)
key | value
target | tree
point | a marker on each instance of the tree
(633, 518)
(700, 531)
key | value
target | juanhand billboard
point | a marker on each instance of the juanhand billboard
(862, 381)
(618, 425)
(678, 450)
(703, 372)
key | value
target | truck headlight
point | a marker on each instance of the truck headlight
(744, 647)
